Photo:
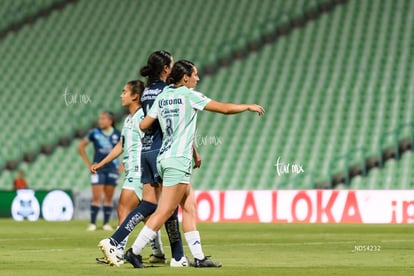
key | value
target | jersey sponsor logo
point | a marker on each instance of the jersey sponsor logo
(167, 112)
(147, 140)
(166, 102)
(105, 145)
(130, 179)
(115, 139)
(166, 145)
(150, 94)
(164, 149)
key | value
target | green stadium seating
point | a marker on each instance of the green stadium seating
(328, 90)
(88, 49)
(14, 11)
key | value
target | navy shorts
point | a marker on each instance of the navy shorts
(105, 177)
(149, 167)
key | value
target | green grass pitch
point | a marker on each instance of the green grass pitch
(65, 248)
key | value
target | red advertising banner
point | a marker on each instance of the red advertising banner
(306, 206)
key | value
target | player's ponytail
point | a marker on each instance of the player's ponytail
(180, 68)
(145, 71)
(155, 65)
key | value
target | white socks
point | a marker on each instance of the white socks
(156, 245)
(144, 237)
(194, 243)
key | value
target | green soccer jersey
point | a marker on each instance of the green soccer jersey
(176, 111)
(131, 142)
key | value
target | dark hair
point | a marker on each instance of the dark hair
(155, 64)
(111, 116)
(137, 87)
(180, 68)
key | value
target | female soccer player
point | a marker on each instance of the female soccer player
(156, 70)
(130, 144)
(176, 110)
(104, 138)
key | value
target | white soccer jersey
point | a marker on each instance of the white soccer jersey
(131, 141)
(176, 110)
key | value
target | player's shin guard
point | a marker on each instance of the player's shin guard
(137, 215)
(173, 230)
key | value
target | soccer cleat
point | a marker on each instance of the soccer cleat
(102, 260)
(183, 262)
(120, 258)
(126, 258)
(109, 251)
(205, 263)
(153, 259)
(91, 227)
(135, 260)
(107, 227)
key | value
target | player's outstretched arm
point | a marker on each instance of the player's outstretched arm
(115, 153)
(230, 108)
(146, 123)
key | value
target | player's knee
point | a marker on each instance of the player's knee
(190, 209)
(166, 213)
(96, 200)
(108, 201)
(123, 209)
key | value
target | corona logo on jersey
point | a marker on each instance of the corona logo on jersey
(25, 206)
(165, 102)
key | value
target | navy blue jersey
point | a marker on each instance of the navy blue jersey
(103, 145)
(153, 136)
